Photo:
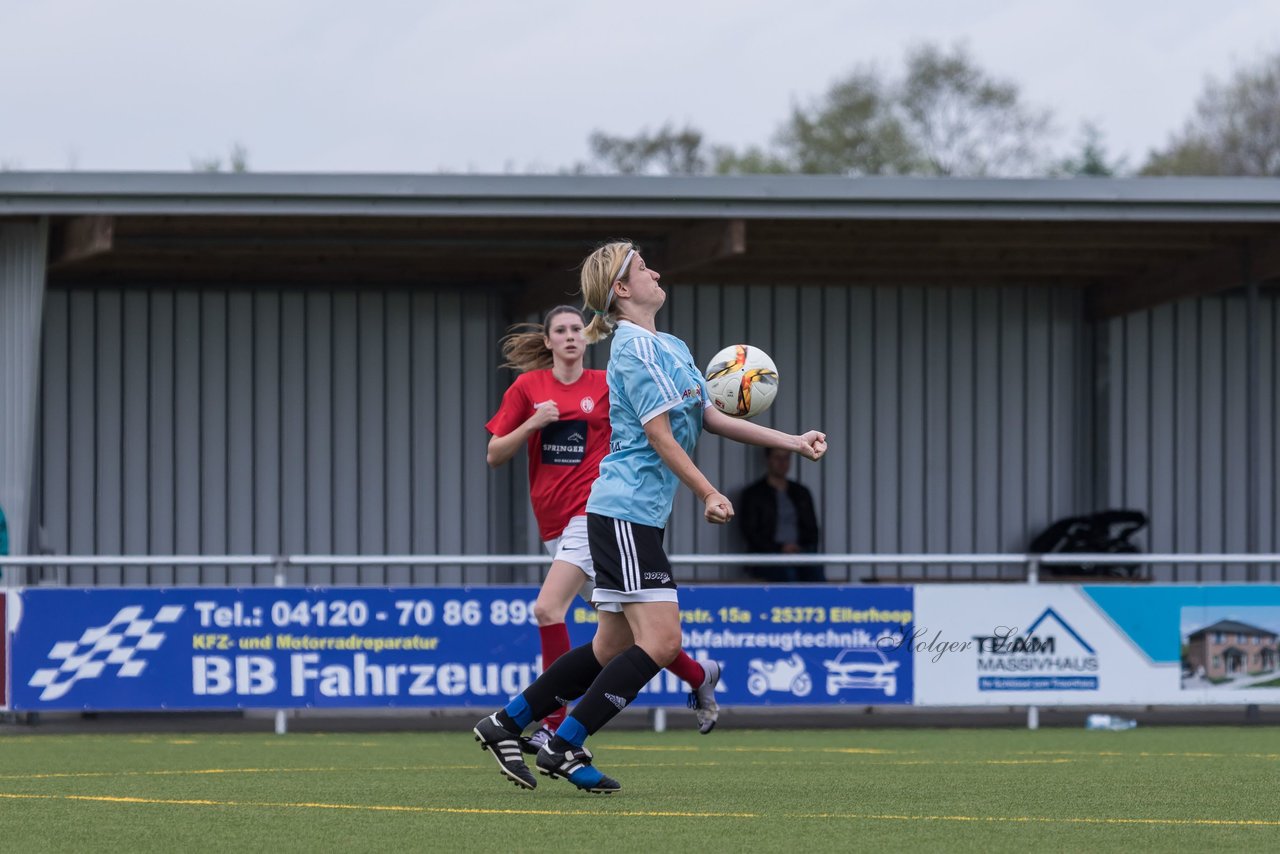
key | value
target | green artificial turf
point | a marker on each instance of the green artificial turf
(1209, 788)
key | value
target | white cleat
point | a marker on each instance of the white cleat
(703, 698)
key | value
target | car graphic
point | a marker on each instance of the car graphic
(861, 667)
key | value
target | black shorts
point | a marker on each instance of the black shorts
(630, 563)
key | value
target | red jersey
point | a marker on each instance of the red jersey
(564, 457)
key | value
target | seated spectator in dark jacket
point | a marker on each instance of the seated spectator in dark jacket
(776, 516)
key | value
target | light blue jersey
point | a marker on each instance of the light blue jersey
(648, 375)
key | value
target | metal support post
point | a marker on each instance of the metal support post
(282, 726)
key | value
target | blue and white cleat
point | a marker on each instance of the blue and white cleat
(574, 765)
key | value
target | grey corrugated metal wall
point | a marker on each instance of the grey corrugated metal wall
(235, 421)
(351, 421)
(1178, 415)
(22, 269)
(953, 414)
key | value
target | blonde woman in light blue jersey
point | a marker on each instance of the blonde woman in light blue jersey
(658, 408)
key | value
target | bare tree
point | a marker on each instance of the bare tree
(1235, 129)
(964, 122)
(237, 161)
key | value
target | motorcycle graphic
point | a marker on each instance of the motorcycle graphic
(786, 674)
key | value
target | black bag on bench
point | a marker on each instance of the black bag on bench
(1106, 532)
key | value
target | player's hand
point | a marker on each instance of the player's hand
(719, 509)
(543, 414)
(812, 445)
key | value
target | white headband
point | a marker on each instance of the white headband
(622, 271)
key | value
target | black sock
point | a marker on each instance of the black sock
(615, 688)
(567, 679)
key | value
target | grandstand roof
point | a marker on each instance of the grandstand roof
(1132, 243)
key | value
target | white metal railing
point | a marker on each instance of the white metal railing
(1032, 562)
(139, 560)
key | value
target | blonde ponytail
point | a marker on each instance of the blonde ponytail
(600, 270)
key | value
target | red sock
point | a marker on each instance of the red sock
(687, 669)
(555, 643)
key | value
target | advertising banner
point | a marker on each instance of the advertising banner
(279, 648)
(4, 655)
(1054, 644)
(804, 645)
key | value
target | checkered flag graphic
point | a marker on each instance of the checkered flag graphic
(118, 642)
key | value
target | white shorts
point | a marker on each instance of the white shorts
(572, 547)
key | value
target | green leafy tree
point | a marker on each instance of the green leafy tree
(1091, 160)
(945, 116)
(752, 160)
(1234, 130)
(853, 130)
(666, 151)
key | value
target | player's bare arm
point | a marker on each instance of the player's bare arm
(717, 508)
(503, 448)
(811, 445)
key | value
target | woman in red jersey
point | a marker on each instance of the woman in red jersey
(559, 411)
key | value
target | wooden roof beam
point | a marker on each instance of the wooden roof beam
(687, 249)
(700, 245)
(1220, 270)
(80, 239)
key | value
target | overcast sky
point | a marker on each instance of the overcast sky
(475, 86)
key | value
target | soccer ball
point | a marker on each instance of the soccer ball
(743, 381)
